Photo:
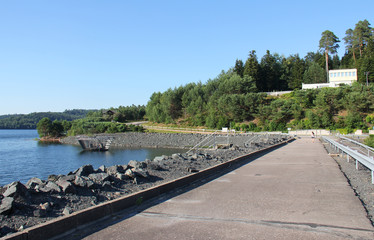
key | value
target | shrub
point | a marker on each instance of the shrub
(345, 130)
(370, 141)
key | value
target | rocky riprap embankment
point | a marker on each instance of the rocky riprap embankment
(153, 140)
(39, 200)
(173, 140)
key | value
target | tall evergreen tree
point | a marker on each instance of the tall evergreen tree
(270, 72)
(252, 68)
(335, 63)
(293, 70)
(366, 64)
(328, 43)
(362, 35)
(239, 67)
(350, 43)
(314, 74)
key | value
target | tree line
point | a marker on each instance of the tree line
(29, 121)
(225, 101)
(237, 95)
(103, 121)
(276, 73)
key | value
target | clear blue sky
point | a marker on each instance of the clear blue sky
(91, 54)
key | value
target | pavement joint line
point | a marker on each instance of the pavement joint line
(291, 225)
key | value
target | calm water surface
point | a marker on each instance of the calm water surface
(23, 157)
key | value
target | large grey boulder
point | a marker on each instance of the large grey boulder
(158, 159)
(113, 170)
(79, 181)
(84, 170)
(154, 166)
(99, 178)
(16, 190)
(6, 206)
(53, 178)
(130, 173)
(66, 186)
(83, 182)
(34, 182)
(69, 178)
(121, 176)
(136, 164)
(50, 187)
(176, 156)
(140, 172)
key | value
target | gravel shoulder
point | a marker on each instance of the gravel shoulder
(359, 180)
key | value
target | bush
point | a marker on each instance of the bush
(345, 130)
(370, 118)
(354, 120)
(370, 141)
(252, 127)
(244, 127)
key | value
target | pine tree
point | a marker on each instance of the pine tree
(328, 43)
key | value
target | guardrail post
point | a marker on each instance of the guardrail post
(356, 164)
(372, 177)
(347, 157)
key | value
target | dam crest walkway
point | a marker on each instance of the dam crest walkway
(293, 192)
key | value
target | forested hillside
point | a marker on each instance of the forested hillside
(112, 120)
(237, 95)
(225, 101)
(29, 121)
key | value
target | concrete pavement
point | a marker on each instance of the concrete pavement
(294, 192)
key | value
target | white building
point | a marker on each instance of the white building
(336, 77)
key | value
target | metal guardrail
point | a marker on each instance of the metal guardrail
(217, 138)
(204, 142)
(369, 149)
(364, 160)
(180, 129)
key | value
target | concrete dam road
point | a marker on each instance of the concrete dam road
(294, 192)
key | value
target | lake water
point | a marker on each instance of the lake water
(23, 157)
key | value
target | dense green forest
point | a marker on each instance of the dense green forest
(109, 121)
(103, 121)
(29, 121)
(218, 104)
(235, 97)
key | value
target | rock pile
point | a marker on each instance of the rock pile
(16, 194)
(37, 201)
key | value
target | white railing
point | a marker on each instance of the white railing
(367, 161)
(179, 129)
(218, 138)
(368, 149)
(211, 141)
